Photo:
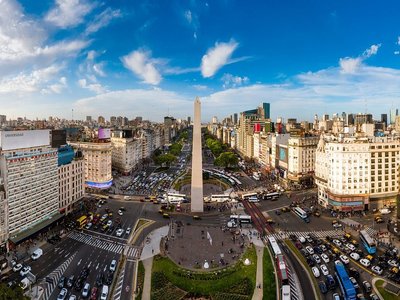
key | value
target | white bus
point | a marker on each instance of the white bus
(220, 198)
(240, 218)
(271, 196)
(253, 199)
(274, 246)
(301, 214)
(176, 198)
(246, 196)
(285, 292)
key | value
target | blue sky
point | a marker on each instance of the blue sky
(152, 58)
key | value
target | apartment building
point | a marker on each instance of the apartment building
(126, 151)
(3, 219)
(28, 167)
(357, 173)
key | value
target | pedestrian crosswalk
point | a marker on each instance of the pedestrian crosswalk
(118, 286)
(322, 234)
(372, 232)
(53, 277)
(112, 246)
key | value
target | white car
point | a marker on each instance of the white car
(316, 258)
(344, 259)
(310, 250)
(324, 269)
(25, 270)
(109, 223)
(302, 239)
(128, 230)
(17, 267)
(393, 263)
(72, 297)
(88, 225)
(355, 255)
(377, 269)
(337, 242)
(315, 271)
(350, 246)
(120, 232)
(63, 293)
(120, 212)
(365, 262)
(325, 258)
(113, 265)
(86, 290)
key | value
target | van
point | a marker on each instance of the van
(104, 293)
(36, 254)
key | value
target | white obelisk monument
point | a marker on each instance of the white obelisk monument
(197, 161)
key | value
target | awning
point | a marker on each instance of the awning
(24, 235)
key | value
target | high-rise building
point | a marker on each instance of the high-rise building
(28, 167)
(397, 124)
(350, 120)
(101, 120)
(384, 119)
(393, 113)
(325, 117)
(113, 120)
(3, 219)
(267, 110)
(169, 129)
(88, 118)
(214, 120)
(71, 178)
(97, 163)
(3, 119)
(189, 120)
(235, 118)
(360, 119)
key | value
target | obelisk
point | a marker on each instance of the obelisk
(197, 161)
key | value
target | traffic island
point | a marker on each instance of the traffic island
(138, 228)
(386, 290)
(171, 281)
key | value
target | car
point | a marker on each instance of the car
(335, 296)
(350, 247)
(86, 290)
(318, 249)
(109, 222)
(63, 294)
(120, 213)
(354, 282)
(304, 252)
(324, 269)
(277, 212)
(325, 258)
(119, 232)
(93, 294)
(99, 279)
(365, 262)
(310, 262)
(337, 242)
(322, 287)
(367, 286)
(316, 258)
(354, 255)
(17, 267)
(344, 259)
(88, 225)
(379, 220)
(377, 269)
(310, 250)
(103, 217)
(373, 297)
(104, 293)
(61, 282)
(72, 297)
(298, 245)
(354, 273)
(70, 281)
(285, 209)
(317, 214)
(315, 271)
(330, 282)
(323, 248)
(109, 278)
(302, 239)
(309, 239)
(122, 208)
(361, 296)
(37, 254)
(25, 270)
(113, 265)
(166, 216)
(79, 284)
(393, 263)
(128, 230)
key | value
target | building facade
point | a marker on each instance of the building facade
(126, 153)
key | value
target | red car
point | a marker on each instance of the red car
(93, 294)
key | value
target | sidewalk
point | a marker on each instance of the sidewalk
(152, 243)
(258, 291)
(148, 265)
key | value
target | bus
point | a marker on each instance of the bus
(176, 198)
(282, 269)
(274, 245)
(220, 198)
(240, 218)
(271, 196)
(253, 199)
(246, 196)
(82, 221)
(285, 291)
(301, 214)
(345, 284)
(367, 242)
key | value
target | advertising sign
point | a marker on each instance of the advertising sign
(104, 133)
(10, 140)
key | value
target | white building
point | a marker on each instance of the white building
(29, 171)
(98, 159)
(354, 173)
(126, 153)
(301, 157)
(3, 219)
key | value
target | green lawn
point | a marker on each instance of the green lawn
(269, 284)
(385, 294)
(238, 279)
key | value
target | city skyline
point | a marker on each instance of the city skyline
(59, 56)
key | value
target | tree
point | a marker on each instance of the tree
(226, 159)
(175, 149)
(7, 293)
(165, 159)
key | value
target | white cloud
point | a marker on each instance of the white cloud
(69, 13)
(350, 65)
(396, 52)
(94, 87)
(398, 40)
(143, 65)
(230, 80)
(188, 16)
(56, 88)
(217, 57)
(98, 69)
(103, 19)
(200, 87)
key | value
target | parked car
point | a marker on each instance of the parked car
(310, 250)
(17, 267)
(322, 287)
(325, 258)
(316, 258)
(344, 259)
(119, 232)
(365, 262)
(61, 282)
(37, 254)
(315, 271)
(354, 282)
(93, 294)
(25, 270)
(70, 281)
(63, 293)
(324, 269)
(86, 290)
(354, 255)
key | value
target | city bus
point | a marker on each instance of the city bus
(176, 198)
(271, 196)
(240, 218)
(285, 291)
(247, 196)
(367, 242)
(282, 269)
(274, 245)
(82, 221)
(220, 198)
(345, 284)
(301, 214)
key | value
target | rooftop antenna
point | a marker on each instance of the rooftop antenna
(72, 114)
(366, 106)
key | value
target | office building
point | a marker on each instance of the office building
(384, 119)
(3, 119)
(88, 118)
(394, 112)
(3, 219)
(126, 151)
(28, 167)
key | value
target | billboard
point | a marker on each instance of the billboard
(104, 133)
(283, 154)
(99, 185)
(10, 140)
(58, 138)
